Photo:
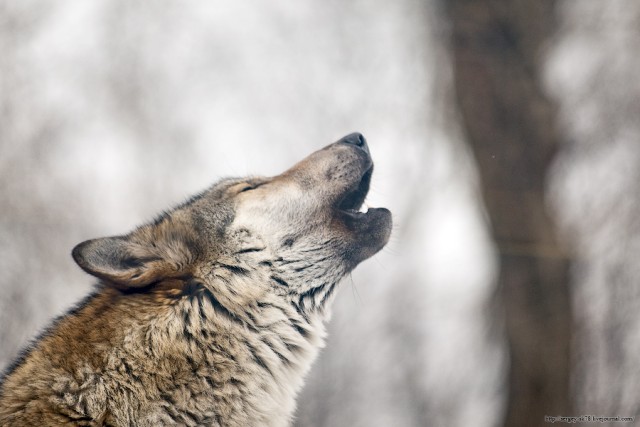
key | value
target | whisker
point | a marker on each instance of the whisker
(354, 291)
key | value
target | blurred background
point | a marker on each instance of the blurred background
(506, 141)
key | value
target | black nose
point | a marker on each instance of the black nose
(356, 139)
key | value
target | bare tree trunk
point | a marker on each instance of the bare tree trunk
(509, 121)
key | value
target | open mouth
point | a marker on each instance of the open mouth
(365, 231)
(353, 201)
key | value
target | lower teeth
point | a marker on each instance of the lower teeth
(363, 210)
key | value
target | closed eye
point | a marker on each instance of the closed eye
(249, 187)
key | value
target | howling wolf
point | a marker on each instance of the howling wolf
(210, 315)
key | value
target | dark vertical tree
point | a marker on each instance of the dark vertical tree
(497, 49)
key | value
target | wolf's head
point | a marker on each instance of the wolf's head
(296, 234)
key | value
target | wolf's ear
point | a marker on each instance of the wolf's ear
(123, 261)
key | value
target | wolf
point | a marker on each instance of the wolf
(212, 314)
